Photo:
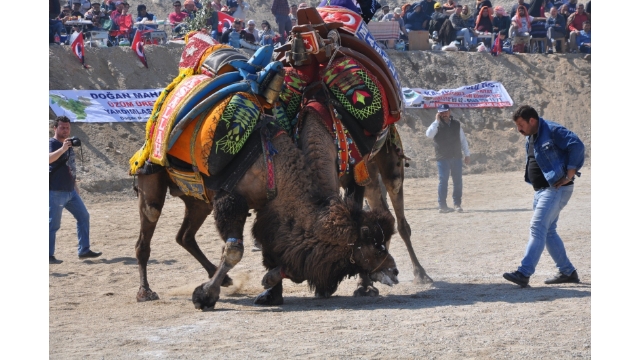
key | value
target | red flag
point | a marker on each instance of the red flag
(224, 21)
(78, 48)
(137, 47)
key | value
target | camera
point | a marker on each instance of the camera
(75, 141)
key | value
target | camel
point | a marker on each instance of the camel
(319, 145)
(217, 149)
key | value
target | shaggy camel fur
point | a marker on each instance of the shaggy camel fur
(293, 183)
(320, 154)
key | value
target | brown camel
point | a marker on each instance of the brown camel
(296, 205)
(319, 146)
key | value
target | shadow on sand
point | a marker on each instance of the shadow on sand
(126, 260)
(441, 294)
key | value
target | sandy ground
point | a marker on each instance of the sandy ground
(469, 312)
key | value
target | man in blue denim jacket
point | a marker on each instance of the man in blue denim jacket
(554, 156)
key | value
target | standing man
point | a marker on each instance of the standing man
(63, 193)
(450, 143)
(554, 156)
(280, 9)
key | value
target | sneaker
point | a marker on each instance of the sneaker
(457, 208)
(550, 52)
(587, 57)
(517, 277)
(89, 254)
(53, 260)
(444, 210)
(561, 278)
(256, 247)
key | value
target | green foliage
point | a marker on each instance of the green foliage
(198, 22)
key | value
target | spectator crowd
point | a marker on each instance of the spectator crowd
(551, 24)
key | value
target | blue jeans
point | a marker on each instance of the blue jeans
(547, 204)
(71, 201)
(448, 167)
(467, 37)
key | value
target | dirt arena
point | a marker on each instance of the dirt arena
(469, 312)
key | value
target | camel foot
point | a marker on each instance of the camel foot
(368, 291)
(271, 279)
(269, 297)
(203, 301)
(227, 281)
(420, 277)
(146, 295)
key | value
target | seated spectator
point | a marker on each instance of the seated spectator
(437, 19)
(143, 14)
(521, 23)
(501, 21)
(500, 45)
(64, 16)
(293, 14)
(237, 37)
(251, 29)
(108, 6)
(514, 8)
(555, 29)
(96, 15)
(416, 19)
(75, 9)
(55, 24)
(574, 25)
(484, 21)
(383, 11)
(397, 16)
(584, 39)
(460, 28)
(468, 17)
(190, 8)
(266, 35)
(177, 17)
(450, 6)
(115, 14)
(563, 11)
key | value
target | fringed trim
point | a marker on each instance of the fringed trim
(142, 155)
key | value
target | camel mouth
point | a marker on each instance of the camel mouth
(388, 277)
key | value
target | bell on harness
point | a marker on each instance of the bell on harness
(272, 92)
(298, 54)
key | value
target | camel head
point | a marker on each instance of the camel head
(368, 234)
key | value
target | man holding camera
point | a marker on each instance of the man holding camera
(63, 192)
(450, 143)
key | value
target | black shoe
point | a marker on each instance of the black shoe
(561, 278)
(444, 210)
(53, 260)
(517, 277)
(89, 254)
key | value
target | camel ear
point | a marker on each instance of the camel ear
(364, 232)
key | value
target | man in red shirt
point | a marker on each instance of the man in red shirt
(574, 24)
(177, 16)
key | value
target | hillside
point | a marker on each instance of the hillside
(559, 86)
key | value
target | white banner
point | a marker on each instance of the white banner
(104, 106)
(485, 94)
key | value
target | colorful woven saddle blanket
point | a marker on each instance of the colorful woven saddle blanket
(333, 46)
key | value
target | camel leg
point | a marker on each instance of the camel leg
(391, 167)
(365, 286)
(152, 190)
(272, 296)
(230, 212)
(196, 212)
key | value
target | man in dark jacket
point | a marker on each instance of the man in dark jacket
(554, 156)
(450, 144)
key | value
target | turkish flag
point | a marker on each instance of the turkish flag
(137, 47)
(224, 21)
(78, 48)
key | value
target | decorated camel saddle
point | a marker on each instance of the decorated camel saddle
(212, 122)
(334, 66)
